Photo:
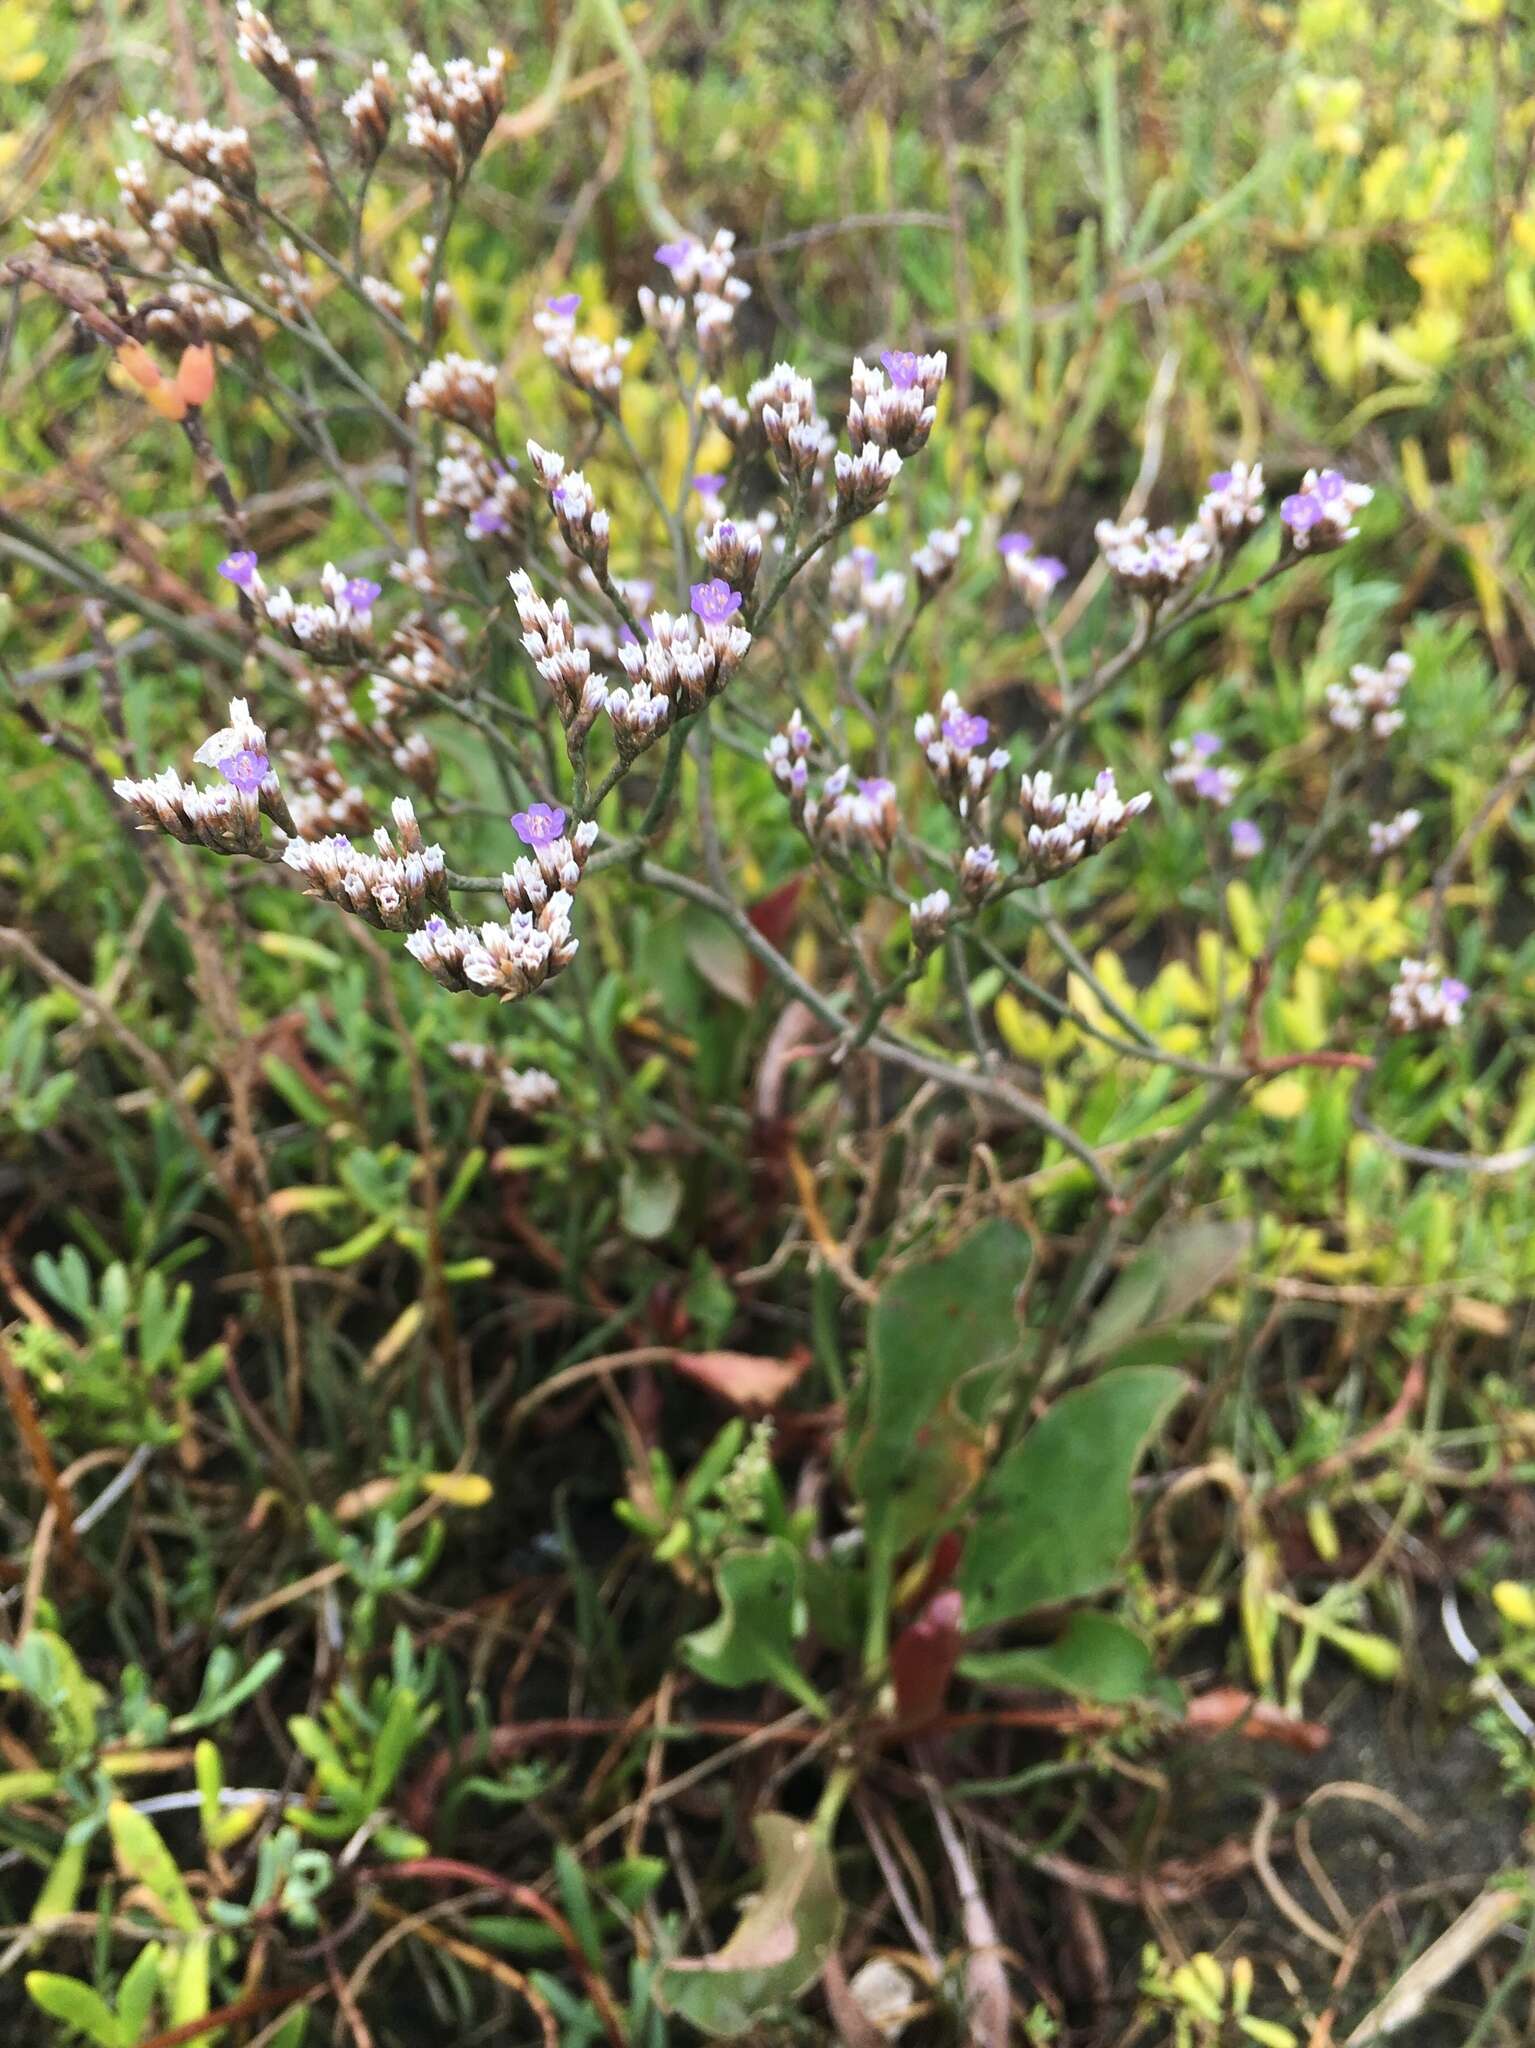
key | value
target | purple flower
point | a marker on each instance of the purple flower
(867, 560)
(1454, 991)
(901, 367)
(675, 256)
(539, 824)
(239, 568)
(1246, 838)
(1050, 568)
(487, 518)
(1210, 783)
(245, 770)
(1221, 481)
(1015, 544)
(359, 594)
(436, 926)
(715, 601)
(876, 789)
(1204, 744)
(1301, 511)
(1329, 487)
(708, 485)
(966, 729)
(564, 305)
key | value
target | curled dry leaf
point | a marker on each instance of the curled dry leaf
(743, 1378)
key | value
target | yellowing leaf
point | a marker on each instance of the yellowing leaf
(459, 1489)
(1246, 923)
(1515, 1603)
(1022, 1031)
(1284, 1097)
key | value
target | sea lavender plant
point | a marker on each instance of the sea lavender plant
(656, 626)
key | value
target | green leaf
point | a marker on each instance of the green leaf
(1054, 1517)
(576, 1899)
(718, 957)
(936, 1322)
(143, 1857)
(61, 1887)
(402, 1725)
(778, 1949)
(1097, 1658)
(136, 1993)
(649, 1196)
(762, 1611)
(67, 1999)
(18, 1785)
(1174, 1274)
(222, 1692)
(189, 1998)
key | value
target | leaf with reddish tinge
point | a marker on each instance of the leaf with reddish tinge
(781, 1945)
(922, 1660)
(741, 1377)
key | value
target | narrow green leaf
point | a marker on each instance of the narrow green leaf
(67, 1999)
(143, 1857)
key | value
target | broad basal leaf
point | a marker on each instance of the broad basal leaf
(936, 1324)
(762, 1612)
(1174, 1274)
(780, 1947)
(1095, 1658)
(1054, 1518)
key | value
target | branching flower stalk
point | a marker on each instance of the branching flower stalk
(585, 744)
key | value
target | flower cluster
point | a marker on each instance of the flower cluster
(81, 237)
(1370, 694)
(1059, 830)
(562, 662)
(1423, 1000)
(784, 408)
(1153, 563)
(1394, 834)
(708, 273)
(481, 491)
(898, 414)
(449, 113)
(527, 1090)
(583, 527)
(369, 115)
(459, 389)
(954, 746)
(934, 563)
(227, 817)
(1034, 576)
(222, 155)
(1197, 777)
(189, 314)
(851, 815)
(1233, 504)
(686, 659)
(338, 630)
(931, 915)
(593, 366)
(263, 48)
(733, 550)
(536, 942)
(1320, 515)
(395, 890)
